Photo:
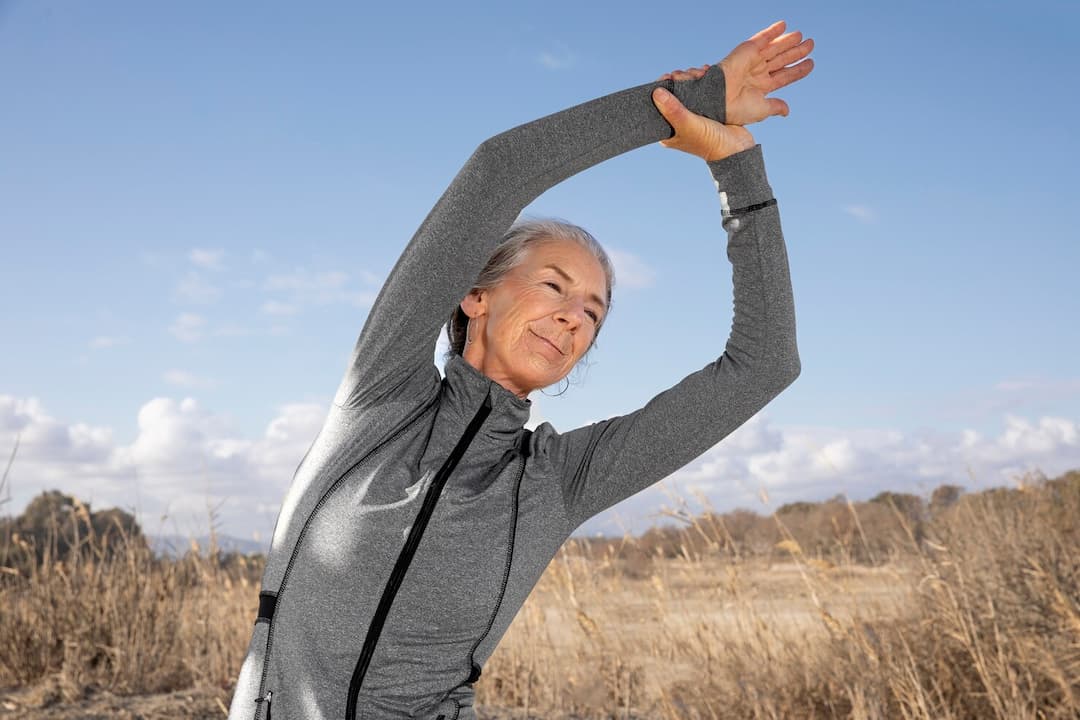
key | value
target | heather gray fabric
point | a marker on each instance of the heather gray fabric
(502, 515)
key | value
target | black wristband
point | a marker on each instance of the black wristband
(752, 208)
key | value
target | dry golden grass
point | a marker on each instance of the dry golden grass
(126, 621)
(971, 613)
(976, 616)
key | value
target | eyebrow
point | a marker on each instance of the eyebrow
(594, 297)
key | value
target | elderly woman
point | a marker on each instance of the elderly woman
(424, 513)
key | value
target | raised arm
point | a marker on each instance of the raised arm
(606, 462)
(611, 460)
(393, 356)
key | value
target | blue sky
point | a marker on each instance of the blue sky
(198, 202)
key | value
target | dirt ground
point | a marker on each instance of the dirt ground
(46, 700)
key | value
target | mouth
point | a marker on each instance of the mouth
(549, 342)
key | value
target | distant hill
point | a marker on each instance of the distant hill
(176, 545)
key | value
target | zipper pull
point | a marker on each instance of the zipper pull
(266, 699)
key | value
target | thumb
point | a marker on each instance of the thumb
(674, 112)
(669, 106)
(778, 107)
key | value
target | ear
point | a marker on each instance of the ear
(475, 303)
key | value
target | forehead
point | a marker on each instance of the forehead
(571, 258)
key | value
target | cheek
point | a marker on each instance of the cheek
(508, 328)
(528, 309)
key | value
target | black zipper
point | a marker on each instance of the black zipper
(266, 702)
(475, 674)
(261, 699)
(397, 575)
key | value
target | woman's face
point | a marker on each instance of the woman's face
(530, 330)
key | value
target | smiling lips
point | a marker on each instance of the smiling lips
(548, 342)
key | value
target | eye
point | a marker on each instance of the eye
(553, 285)
(593, 315)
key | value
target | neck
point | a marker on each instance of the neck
(474, 355)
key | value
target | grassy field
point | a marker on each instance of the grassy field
(970, 609)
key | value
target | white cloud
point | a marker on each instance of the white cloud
(371, 278)
(1049, 433)
(559, 58)
(273, 307)
(302, 287)
(814, 463)
(364, 299)
(102, 342)
(323, 283)
(1047, 387)
(1011, 395)
(233, 330)
(182, 378)
(861, 212)
(42, 437)
(188, 327)
(209, 259)
(630, 270)
(184, 456)
(182, 459)
(194, 288)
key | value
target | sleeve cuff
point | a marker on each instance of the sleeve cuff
(741, 179)
(705, 95)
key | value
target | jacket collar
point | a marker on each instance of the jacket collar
(465, 389)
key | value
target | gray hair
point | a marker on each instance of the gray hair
(510, 252)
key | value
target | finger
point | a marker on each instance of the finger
(788, 75)
(697, 73)
(790, 56)
(778, 107)
(782, 43)
(762, 37)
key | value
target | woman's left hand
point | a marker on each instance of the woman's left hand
(756, 67)
(697, 134)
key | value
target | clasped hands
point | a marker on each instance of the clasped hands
(755, 68)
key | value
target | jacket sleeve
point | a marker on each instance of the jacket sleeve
(393, 356)
(606, 462)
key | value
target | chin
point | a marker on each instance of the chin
(534, 383)
(537, 378)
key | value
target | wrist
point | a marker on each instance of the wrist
(742, 177)
(728, 150)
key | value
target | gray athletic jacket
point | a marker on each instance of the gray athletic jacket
(438, 474)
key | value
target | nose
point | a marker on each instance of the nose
(571, 314)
